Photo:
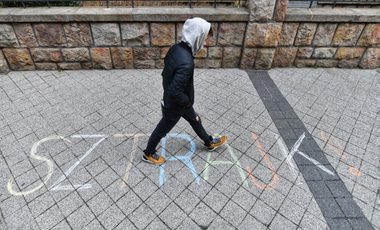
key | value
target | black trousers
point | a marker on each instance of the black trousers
(169, 120)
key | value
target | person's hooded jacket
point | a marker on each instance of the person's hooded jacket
(178, 72)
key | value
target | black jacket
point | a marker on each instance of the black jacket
(177, 78)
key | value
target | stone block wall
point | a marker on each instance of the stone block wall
(262, 36)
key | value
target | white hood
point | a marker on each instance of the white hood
(194, 33)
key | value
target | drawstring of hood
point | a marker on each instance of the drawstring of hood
(194, 33)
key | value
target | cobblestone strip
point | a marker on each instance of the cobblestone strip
(333, 198)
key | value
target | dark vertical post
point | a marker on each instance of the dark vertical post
(190, 3)
(107, 3)
(23, 4)
(133, 5)
(48, 4)
(215, 4)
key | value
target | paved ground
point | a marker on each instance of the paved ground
(71, 146)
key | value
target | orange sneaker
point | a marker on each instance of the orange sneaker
(153, 159)
(216, 142)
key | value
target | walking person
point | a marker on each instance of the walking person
(178, 86)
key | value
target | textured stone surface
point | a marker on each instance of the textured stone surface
(145, 64)
(284, 57)
(46, 55)
(160, 64)
(263, 35)
(3, 63)
(323, 53)
(179, 32)
(101, 57)
(46, 66)
(7, 36)
(231, 57)
(19, 59)
(25, 34)
(68, 66)
(264, 58)
(231, 34)
(211, 41)
(106, 34)
(261, 11)
(78, 34)
(304, 63)
(305, 52)
(215, 52)
(371, 59)
(348, 64)
(347, 34)
(280, 12)
(370, 36)
(249, 56)
(208, 63)
(288, 34)
(305, 34)
(86, 65)
(135, 34)
(324, 34)
(327, 63)
(76, 54)
(146, 53)
(349, 53)
(103, 14)
(122, 57)
(163, 34)
(202, 53)
(164, 51)
(50, 34)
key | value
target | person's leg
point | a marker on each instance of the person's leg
(196, 124)
(167, 122)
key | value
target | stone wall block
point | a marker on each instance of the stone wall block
(78, 34)
(347, 34)
(305, 34)
(145, 64)
(327, 63)
(25, 34)
(231, 57)
(50, 34)
(264, 58)
(284, 57)
(215, 52)
(163, 34)
(371, 59)
(349, 53)
(146, 53)
(122, 57)
(69, 66)
(249, 56)
(7, 36)
(305, 52)
(46, 66)
(46, 54)
(202, 53)
(263, 35)
(86, 65)
(324, 34)
(288, 34)
(135, 34)
(160, 64)
(106, 34)
(101, 57)
(261, 11)
(164, 51)
(370, 36)
(304, 63)
(280, 12)
(19, 59)
(3, 63)
(76, 54)
(213, 63)
(324, 53)
(348, 64)
(231, 34)
(211, 41)
(179, 32)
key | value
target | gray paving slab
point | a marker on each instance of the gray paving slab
(95, 179)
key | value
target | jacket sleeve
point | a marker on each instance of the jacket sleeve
(176, 89)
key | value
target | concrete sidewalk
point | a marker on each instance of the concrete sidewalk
(302, 152)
